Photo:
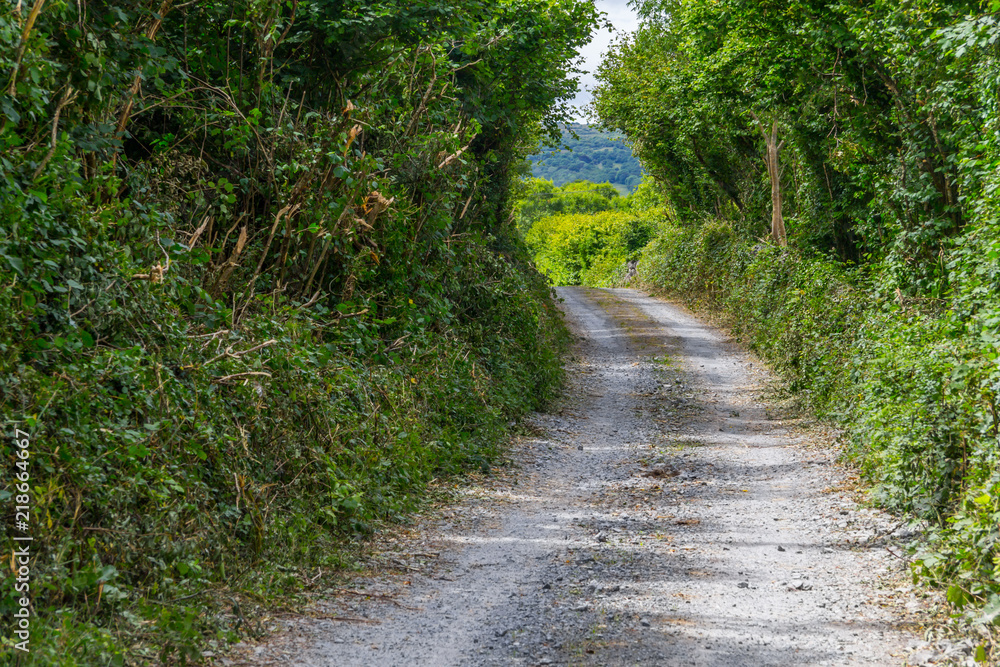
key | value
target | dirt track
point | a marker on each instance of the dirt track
(665, 515)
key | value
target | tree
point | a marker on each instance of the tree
(876, 106)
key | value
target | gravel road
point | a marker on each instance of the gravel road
(666, 513)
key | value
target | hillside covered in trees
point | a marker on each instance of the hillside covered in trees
(261, 290)
(829, 174)
(591, 155)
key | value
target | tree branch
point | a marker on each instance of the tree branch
(68, 96)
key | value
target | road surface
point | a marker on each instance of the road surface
(665, 513)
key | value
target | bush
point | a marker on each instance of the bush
(586, 233)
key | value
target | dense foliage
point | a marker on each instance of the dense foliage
(538, 198)
(261, 286)
(588, 154)
(585, 233)
(881, 119)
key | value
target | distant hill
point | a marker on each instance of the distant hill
(597, 156)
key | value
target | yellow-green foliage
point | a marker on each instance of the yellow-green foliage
(588, 247)
(539, 198)
(580, 249)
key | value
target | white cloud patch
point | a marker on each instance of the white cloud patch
(624, 21)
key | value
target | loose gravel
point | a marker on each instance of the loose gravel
(668, 512)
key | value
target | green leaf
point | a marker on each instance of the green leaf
(957, 596)
(15, 263)
(9, 110)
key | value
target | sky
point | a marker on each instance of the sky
(624, 21)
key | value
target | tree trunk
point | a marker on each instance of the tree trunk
(771, 160)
